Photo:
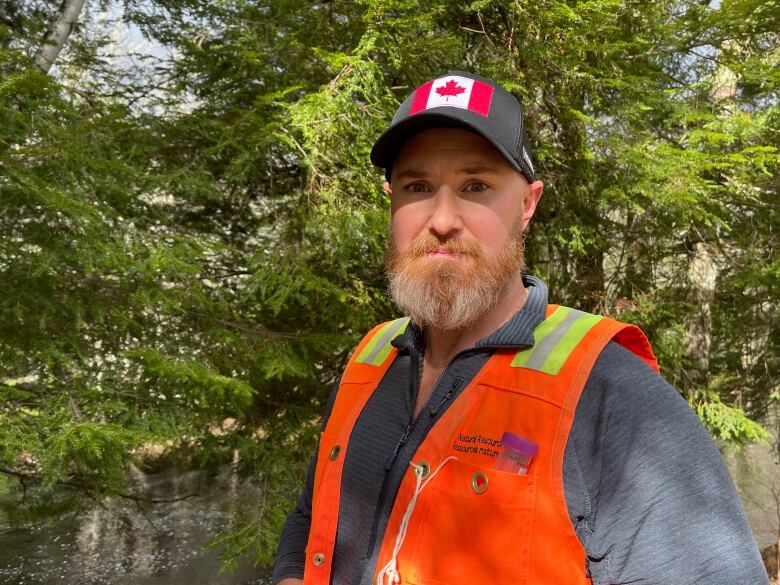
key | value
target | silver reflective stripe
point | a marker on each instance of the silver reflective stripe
(386, 337)
(546, 346)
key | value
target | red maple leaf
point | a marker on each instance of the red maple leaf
(451, 88)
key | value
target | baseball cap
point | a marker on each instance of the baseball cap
(459, 100)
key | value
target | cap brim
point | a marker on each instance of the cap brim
(386, 147)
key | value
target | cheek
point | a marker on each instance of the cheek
(405, 224)
(509, 216)
(491, 226)
(401, 232)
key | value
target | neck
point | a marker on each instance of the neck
(442, 344)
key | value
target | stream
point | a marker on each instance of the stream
(117, 543)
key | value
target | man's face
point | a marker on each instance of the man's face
(458, 212)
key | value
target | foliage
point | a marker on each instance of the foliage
(193, 236)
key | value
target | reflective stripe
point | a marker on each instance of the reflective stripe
(569, 341)
(555, 339)
(376, 351)
(545, 349)
(541, 332)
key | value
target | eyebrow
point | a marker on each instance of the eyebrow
(411, 174)
(472, 170)
(479, 169)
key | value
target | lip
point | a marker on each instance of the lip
(441, 253)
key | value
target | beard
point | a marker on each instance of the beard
(451, 293)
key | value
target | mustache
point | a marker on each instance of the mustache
(429, 244)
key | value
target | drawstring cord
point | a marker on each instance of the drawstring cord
(390, 570)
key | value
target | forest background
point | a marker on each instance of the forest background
(192, 236)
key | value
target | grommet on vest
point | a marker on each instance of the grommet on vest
(479, 482)
(422, 469)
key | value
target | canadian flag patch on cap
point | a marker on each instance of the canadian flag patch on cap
(454, 91)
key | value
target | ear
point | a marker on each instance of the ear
(388, 189)
(530, 200)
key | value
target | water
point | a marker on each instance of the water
(120, 544)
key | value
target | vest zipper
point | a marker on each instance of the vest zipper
(398, 446)
(450, 393)
(402, 441)
(405, 437)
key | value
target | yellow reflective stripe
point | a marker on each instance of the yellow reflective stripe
(555, 341)
(550, 343)
(542, 330)
(378, 348)
(569, 340)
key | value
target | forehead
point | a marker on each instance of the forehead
(449, 143)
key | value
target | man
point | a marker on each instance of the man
(623, 485)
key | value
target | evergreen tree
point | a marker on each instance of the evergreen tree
(193, 236)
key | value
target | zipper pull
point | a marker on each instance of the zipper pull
(398, 446)
(450, 393)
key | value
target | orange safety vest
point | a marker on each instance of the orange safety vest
(469, 523)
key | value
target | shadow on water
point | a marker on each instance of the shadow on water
(121, 544)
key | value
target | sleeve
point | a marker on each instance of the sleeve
(649, 494)
(291, 551)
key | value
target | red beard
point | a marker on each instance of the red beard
(451, 293)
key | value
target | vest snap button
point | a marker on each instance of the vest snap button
(479, 482)
(319, 559)
(334, 453)
(422, 470)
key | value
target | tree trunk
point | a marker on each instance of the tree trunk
(702, 276)
(703, 260)
(58, 34)
(590, 276)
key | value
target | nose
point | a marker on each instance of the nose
(446, 219)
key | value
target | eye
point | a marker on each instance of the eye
(417, 187)
(476, 187)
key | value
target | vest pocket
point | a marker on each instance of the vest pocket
(471, 524)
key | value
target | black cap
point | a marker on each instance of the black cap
(459, 100)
